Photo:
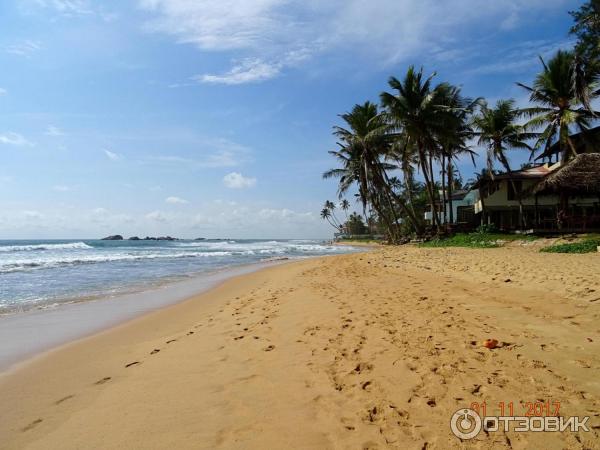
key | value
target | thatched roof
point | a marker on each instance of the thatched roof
(579, 176)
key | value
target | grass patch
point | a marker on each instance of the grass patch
(585, 246)
(477, 240)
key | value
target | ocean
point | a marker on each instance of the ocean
(40, 274)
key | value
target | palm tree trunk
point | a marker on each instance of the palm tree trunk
(444, 210)
(450, 187)
(428, 186)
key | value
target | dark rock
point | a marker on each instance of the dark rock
(200, 239)
(134, 238)
(116, 237)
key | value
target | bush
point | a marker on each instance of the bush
(473, 240)
(586, 246)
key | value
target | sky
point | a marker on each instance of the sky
(213, 118)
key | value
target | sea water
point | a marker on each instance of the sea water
(45, 274)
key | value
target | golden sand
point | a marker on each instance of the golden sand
(372, 350)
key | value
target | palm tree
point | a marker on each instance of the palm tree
(414, 110)
(330, 206)
(362, 145)
(345, 206)
(454, 141)
(561, 92)
(498, 130)
(326, 215)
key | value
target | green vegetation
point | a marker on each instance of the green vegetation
(585, 246)
(422, 126)
(479, 239)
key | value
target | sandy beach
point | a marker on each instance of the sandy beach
(368, 350)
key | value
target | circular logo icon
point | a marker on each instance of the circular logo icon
(465, 423)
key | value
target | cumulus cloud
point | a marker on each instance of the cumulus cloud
(11, 138)
(176, 201)
(235, 180)
(112, 156)
(275, 34)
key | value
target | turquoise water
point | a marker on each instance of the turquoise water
(42, 274)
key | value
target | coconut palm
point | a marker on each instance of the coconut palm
(330, 206)
(326, 215)
(345, 206)
(362, 146)
(561, 92)
(414, 110)
(498, 130)
(454, 141)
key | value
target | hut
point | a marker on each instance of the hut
(572, 182)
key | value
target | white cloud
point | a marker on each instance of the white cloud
(51, 130)
(235, 180)
(67, 7)
(176, 201)
(112, 156)
(34, 215)
(11, 138)
(213, 153)
(275, 34)
(3, 91)
(61, 188)
(24, 48)
(156, 216)
(248, 71)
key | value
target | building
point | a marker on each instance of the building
(543, 198)
(461, 204)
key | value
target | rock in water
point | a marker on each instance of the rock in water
(116, 237)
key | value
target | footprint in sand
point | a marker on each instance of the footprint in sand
(32, 424)
(269, 348)
(103, 380)
(132, 364)
(172, 340)
(64, 399)
(156, 350)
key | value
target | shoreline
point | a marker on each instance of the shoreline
(21, 333)
(366, 350)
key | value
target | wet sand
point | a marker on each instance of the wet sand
(370, 350)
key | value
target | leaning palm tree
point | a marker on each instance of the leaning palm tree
(498, 130)
(414, 110)
(326, 215)
(362, 146)
(563, 94)
(330, 206)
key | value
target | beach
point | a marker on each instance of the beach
(368, 350)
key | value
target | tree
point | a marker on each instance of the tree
(362, 146)
(326, 215)
(415, 111)
(345, 206)
(330, 206)
(587, 30)
(454, 141)
(498, 130)
(355, 225)
(561, 94)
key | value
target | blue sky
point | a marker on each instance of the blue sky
(213, 117)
